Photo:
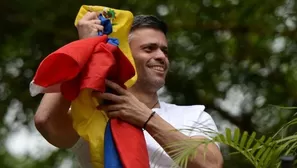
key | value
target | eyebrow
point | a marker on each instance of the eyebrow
(163, 47)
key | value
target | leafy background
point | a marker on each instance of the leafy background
(236, 57)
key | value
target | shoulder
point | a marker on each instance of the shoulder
(183, 114)
(182, 107)
(189, 115)
(185, 110)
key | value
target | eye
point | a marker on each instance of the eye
(148, 49)
(165, 51)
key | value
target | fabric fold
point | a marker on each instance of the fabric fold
(113, 160)
(81, 67)
(130, 144)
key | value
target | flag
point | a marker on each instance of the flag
(81, 67)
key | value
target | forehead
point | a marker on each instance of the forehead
(143, 36)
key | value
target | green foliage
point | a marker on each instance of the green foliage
(262, 152)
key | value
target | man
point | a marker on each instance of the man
(136, 105)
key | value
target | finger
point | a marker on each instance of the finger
(108, 96)
(87, 16)
(98, 27)
(94, 30)
(114, 114)
(90, 16)
(96, 21)
(116, 87)
(111, 108)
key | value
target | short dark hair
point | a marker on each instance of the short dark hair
(149, 21)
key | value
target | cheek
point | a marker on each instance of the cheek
(139, 63)
(168, 63)
(140, 59)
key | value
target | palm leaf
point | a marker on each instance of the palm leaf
(286, 126)
(239, 142)
(261, 152)
(255, 150)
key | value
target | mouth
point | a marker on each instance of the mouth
(159, 68)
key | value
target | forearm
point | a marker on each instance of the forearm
(165, 134)
(53, 121)
(58, 136)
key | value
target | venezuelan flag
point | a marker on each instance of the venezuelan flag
(79, 68)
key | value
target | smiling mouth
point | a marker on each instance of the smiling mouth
(158, 68)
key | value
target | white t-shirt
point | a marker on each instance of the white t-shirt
(180, 117)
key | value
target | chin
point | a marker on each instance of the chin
(158, 83)
(151, 81)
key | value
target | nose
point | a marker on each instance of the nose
(161, 56)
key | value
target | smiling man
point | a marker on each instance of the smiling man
(139, 105)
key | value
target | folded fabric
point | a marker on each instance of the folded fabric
(79, 68)
(121, 21)
(130, 143)
(113, 160)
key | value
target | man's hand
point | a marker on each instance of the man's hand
(89, 25)
(125, 105)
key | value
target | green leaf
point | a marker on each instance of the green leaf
(251, 140)
(236, 136)
(243, 139)
(258, 144)
(229, 136)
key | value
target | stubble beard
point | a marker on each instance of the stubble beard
(149, 82)
(151, 85)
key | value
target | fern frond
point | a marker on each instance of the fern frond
(182, 151)
(261, 152)
(261, 156)
(286, 126)
(255, 150)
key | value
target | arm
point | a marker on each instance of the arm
(162, 132)
(53, 121)
(128, 108)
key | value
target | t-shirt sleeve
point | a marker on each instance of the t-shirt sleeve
(204, 125)
(82, 154)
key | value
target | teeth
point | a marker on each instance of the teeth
(158, 68)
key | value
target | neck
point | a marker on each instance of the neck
(149, 98)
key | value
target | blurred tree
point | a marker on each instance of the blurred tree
(236, 57)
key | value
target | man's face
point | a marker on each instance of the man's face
(149, 50)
